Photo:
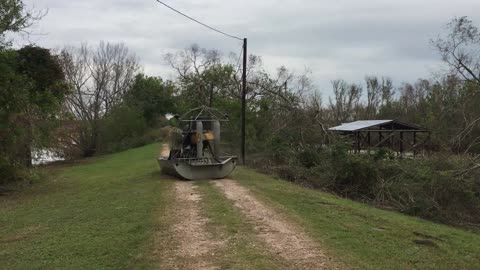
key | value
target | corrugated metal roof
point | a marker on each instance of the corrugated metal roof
(357, 125)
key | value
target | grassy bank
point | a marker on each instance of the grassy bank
(99, 215)
(365, 237)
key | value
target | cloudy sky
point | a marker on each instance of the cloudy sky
(334, 39)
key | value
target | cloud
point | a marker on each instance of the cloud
(335, 39)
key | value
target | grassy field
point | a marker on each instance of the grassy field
(100, 215)
(111, 212)
(365, 237)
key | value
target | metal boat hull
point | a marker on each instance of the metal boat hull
(188, 171)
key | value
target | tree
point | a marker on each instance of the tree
(100, 78)
(204, 75)
(460, 49)
(33, 90)
(152, 97)
(346, 100)
(374, 96)
(45, 70)
(46, 94)
(15, 18)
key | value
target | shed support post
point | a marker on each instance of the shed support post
(414, 144)
(392, 141)
(369, 141)
(380, 137)
(401, 143)
(358, 142)
(427, 143)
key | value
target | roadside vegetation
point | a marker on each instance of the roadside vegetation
(436, 188)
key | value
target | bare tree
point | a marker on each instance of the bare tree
(387, 91)
(374, 96)
(99, 78)
(198, 72)
(460, 49)
(346, 101)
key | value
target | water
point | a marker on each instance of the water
(44, 156)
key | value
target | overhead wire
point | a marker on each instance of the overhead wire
(197, 21)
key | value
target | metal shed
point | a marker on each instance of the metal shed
(396, 135)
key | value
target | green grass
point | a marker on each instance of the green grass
(363, 237)
(99, 215)
(241, 250)
(112, 212)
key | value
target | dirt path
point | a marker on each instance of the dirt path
(280, 235)
(165, 150)
(194, 249)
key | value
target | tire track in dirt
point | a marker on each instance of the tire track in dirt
(281, 236)
(194, 248)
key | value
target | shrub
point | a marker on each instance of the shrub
(11, 173)
(430, 187)
(310, 157)
(121, 129)
(8, 172)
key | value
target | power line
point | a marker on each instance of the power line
(209, 27)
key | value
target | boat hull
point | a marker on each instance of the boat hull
(188, 171)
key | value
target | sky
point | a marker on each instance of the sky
(334, 39)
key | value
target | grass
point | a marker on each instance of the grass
(364, 237)
(112, 212)
(241, 250)
(99, 215)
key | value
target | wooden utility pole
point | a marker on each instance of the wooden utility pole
(244, 103)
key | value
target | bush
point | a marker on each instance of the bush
(430, 188)
(8, 172)
(121, 129)
(11, 173)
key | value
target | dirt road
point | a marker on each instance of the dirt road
(282, 236)
(193, 246)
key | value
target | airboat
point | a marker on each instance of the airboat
(195, 151)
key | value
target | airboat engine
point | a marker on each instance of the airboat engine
(195, 151)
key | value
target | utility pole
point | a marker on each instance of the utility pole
(244, 103)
